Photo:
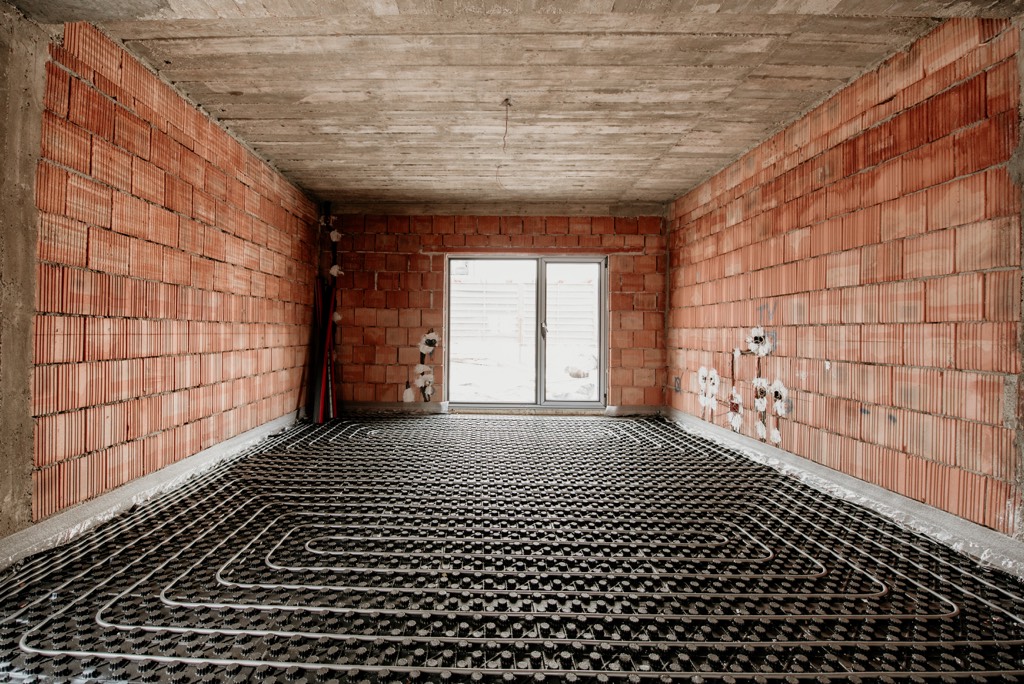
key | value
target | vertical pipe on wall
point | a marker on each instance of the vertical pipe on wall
(322, 406)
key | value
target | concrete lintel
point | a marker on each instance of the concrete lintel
(988, 547)
(73, 522)
(427, 208)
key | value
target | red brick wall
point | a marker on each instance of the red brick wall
(393, 292)
(174, 284)
(878, 240)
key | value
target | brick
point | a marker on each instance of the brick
(87, 43)
(904, 216)
(843, 268)
(955, 298)
(130, 215)
(191, 235)
(163, 226)
(230, 219)
(91, 110)
(957, 107)
(145, 260)
(147, 181)
(973, 396)
(986, 144)
(62, 240)
(177, 267)
(860, 304)
(559, 225)
(985, 449)
(957, 203)
(929, 255)
(902, 302)
(628, 320)
(216, 182)
(928, 165)
(881, 344)
(47, 390)
(58, 438)
(1003, 295)
(918, 389)
(164, 152)
(105, 426)
(843, 342)
(1002, 195)
(988, 244)
(1002, 87)
(987, 347)
(108, 251)
(191, 168)
(111, 165)
(88, 201)
(931, 345)
(138, 82)
(932, 437)
(49, 288)
(87, 293)
(132, 133)
(881, 262)
(111, 89)
(121, 298)
(178, 195)
(57, 95)
(60, 55)
(862, 227)
(58, 339)
(65, 143)
(51, 188)
(105, 338)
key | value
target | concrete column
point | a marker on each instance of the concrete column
(23, 54)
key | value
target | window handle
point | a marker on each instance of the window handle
(544, 330)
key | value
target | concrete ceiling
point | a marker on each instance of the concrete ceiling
(614, 106)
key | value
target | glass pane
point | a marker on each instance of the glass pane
(493, 331)
(573, 335)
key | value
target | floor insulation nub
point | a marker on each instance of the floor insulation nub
(483, 548)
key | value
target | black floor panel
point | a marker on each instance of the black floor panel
(482, 548)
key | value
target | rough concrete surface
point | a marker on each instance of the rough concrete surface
(516, 107)
(23, 50)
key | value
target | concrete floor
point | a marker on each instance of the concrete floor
(502, 549)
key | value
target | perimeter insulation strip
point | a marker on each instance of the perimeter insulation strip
(494, 548)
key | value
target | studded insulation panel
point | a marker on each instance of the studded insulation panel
(503, 549)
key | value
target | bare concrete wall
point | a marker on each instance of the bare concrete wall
(23, 49)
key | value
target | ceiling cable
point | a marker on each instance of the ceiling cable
(504, 139)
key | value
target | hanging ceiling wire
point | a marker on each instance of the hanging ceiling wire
(507, 103)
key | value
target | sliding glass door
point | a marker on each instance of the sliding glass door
(492, 324)
(526, 331)
(571, 331)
